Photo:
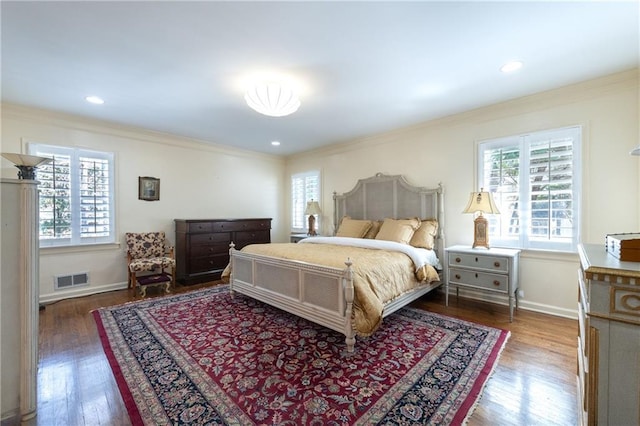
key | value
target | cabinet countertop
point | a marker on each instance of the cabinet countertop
(222, 220)
(483, 251)
(596, 260)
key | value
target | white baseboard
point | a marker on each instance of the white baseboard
(11, 417)
(522, 303)
(466, 293)
(80, 292)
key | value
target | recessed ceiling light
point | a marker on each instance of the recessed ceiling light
(94, 100)
(511, 66)
(275, 143)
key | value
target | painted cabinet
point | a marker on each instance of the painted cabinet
(19, 299)
(609, 338)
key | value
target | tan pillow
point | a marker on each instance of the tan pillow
(375, 228)
(353, 228)
(398, 230)
(425, 236)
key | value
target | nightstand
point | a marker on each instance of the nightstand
(492, 270)
(297, 237)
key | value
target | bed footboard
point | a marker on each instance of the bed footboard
(317, 293)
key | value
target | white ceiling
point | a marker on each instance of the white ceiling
(365, 67)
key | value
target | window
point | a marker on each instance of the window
(304, 188)
(76, 196)
(535, 181)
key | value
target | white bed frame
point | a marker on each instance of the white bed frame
(325, 295)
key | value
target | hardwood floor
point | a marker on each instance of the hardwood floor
(533, 384)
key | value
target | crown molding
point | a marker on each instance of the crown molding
(74, 122)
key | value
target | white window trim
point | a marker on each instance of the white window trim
(319, 219)
(523, 141)
(76, 240)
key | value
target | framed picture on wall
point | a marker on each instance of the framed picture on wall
(148, 188)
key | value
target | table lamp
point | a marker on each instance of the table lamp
(481, 202)
(312, 209)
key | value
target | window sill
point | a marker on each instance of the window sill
(45, 251)
(541, 254)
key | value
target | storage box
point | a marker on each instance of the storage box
(625, 247)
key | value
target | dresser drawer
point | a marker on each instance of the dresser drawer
(199, 227)
(242, 225)
(495, 282)
(209, 249)
(204, 264)
(486, 262)
(583, 378)
(204, 239)
(583, 295)
(254, 236)
(583, 327)
(625, 302)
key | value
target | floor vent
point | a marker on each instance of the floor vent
(73, 280)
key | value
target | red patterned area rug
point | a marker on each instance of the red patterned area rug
(206, 358)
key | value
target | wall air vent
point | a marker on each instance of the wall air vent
(62, 282)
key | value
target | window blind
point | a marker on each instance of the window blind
(304, 188)
(535, 180)
(76, 196)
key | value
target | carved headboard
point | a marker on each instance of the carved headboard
(391, 196)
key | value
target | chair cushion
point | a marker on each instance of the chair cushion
(145, 244)
(139, 265)
(154, 279)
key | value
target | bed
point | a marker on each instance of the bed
(329, 292)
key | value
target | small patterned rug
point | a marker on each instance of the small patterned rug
(205, 357)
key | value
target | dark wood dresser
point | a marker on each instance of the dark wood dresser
(202, 245)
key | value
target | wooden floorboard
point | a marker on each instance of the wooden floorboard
(533, 383)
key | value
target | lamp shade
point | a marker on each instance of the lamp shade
(26, 164)
(481, 202)
(312, 208)
(25, 160)
(272, 98)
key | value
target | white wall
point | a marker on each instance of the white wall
(197, 180)
(443, 150)
(201, 180)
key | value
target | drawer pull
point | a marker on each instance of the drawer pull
(458, 276)
(476, 275)
(496, 264)
(458, 260)
(476, 259)
(496, 283)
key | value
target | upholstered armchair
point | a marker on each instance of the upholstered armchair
(150, 261)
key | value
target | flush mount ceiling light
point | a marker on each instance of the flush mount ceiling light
(511, 66)
(272, 98)
(94, 100)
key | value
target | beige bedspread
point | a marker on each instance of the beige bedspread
(379, 276)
